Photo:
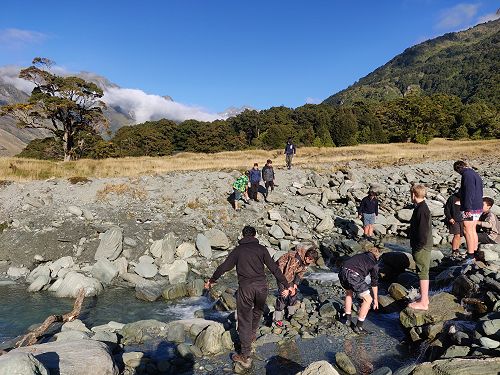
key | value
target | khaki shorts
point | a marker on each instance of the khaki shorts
(423, 262)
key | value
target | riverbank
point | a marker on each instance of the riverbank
(159, 237)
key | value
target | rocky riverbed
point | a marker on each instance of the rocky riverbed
(159, 237)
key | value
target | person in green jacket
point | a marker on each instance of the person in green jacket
(240, 188)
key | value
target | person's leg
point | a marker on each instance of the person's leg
(470, 235)
(244, 304)
(279, 308)
(348, 306)
(422, 262)
(370, 230)
(365, 305)
(455, 242)
(271, 184)
(258, 307)
(366, 230)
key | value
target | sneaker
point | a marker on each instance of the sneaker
(279, 323)
(361, 330)
(244, 361)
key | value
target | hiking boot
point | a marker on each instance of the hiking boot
(361, 330)
(243, 360)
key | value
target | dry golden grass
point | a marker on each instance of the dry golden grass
(120, 189)
(18, 169)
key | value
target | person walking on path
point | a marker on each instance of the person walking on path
(420, 234)
(268, 176)
(255, 177)
(488, 225)
(290, 151)
(471, 204)
(249, 257)
(368, 211)
(352, 278)
(293, 265)
(240, 190)
(453, 219)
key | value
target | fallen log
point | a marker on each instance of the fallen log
(31, 337)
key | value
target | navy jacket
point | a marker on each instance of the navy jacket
(290, 149)
(363, 264)
(368, 206)
(471, 191)
(255, 176)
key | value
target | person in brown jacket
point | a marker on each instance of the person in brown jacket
(293, 265)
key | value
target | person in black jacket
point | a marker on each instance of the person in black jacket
(368, 211)
(352, 278)
(420, 234)
(453, 218)
(249, 257)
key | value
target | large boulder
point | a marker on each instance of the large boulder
(203, 246)
(64, 262)
(210, 339)
(41, 270)
(104, 271)
(17, 272)
(175, 291)
(404, 214)
(111, 244)
(442, 307)
(276, 232)
(217, 239)
(459, 366)
(165, 248)
(74, 281)
(78, 357)
(40, 282)
(177, 271)
(319, 368)
(21, 364)
(276, 198)
(146, 267)
(316, 211)
(185, 250)
(345, 363)
(325, 225)
(143, 330)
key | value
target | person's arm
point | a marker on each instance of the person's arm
(487, 223)
(375, 297)
(294, 150)
(447, 209)
(376, 207)
(374, 285)
(224, 267)
(273, 267)
(361, 207)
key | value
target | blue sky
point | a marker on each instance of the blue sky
(216, 54)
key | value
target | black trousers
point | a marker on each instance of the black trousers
(282, 302)
(254, 189)
(250, 302)
(269, 184)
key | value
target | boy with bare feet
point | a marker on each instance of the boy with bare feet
(420, 234)
(352, 278)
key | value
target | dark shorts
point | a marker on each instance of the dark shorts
(472, 215)
(351, 280)
(457, 228)
(423, 263)
(484, 238)
(369, 219)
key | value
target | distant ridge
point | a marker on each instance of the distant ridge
(465, 64)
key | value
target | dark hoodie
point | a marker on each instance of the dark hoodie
(471, 191)
(249, 258)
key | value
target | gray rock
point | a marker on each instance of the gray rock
(17, 272)
(142, 331)
(74, 281)
(327, 310)
(41, 270)
(442, 306)
(168, 248)
(276, 232)
(149, 292)
(203, 246)
(130, 242)
(459, 366)
(382, 371)
(72, 357)
(195, 288)
(176, 333)
(177, 271)
(71, 336)
(274, 215)
(397, 291)
(404, 214)
(327, 224)
(217, 239)
(186, 250)
(146, 269)
(59, 264)
(491, 327)
(456, 351)
(316, 211)
(345, 363)
(276, 198)
(111, 244)
(210, 339)
(75, 325)
(488, 343)
(77, 211)
(308, 191)
(319, 368)
(121, 265)
(21, 364)
(40, 282)
(105, 336)
(175, 291)
(104, 271)
(132, 359)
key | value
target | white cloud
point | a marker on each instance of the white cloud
(459, 16)
(10, 75)
(310, 100)
(145, 107)
(19, 38)
(489, 17)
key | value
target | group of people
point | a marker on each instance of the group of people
(463, 214)
(247, 186)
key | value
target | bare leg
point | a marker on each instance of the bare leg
(348, 301)
(370, 230)
(423, 303)
(470, 236)
(365, 306)
(455, 242)
(366, 231)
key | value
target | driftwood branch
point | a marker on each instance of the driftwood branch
(32, 337)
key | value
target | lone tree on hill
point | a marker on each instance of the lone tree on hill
(65, 106)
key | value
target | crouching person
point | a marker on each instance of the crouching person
(352, 278)
(293, 265)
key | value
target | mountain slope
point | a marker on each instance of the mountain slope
(465, 64)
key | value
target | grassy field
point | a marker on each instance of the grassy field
(18, 169)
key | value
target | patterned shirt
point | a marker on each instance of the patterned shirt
(241, 183)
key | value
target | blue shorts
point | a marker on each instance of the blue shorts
(237, 195)
(369, 219)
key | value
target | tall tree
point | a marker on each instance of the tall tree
(65, 106)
